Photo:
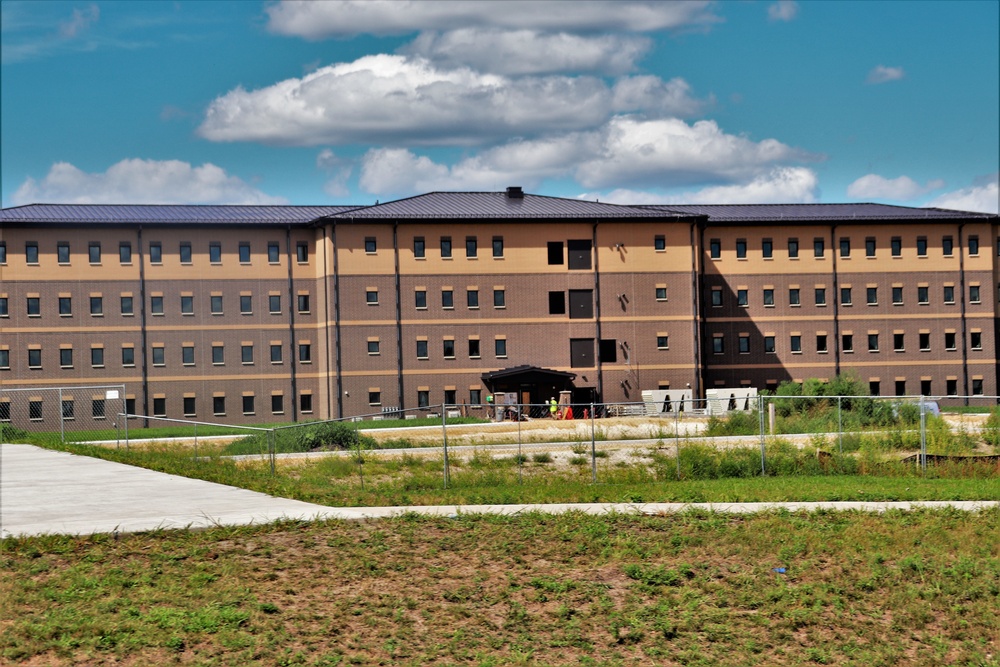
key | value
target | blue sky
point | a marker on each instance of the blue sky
(626, 102)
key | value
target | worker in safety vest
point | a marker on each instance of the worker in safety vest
(553, 408)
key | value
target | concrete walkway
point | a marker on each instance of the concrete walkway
(49, 492)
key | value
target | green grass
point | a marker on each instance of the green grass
(917, 588)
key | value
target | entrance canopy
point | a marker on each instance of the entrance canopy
(531, 383)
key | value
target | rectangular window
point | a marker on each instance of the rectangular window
(94, 251)
(31, 252)
(421, 349)
(663, 342)
(795, 343)
(277, 404)
(555, 252)
(303, 303)
(974, 293)
(448, 348)
(423, 398)
(447, 298)
(373, 348)
(128, 356)
(189, 406)
(97, 357)
(499, 298)
(896, 246)
(246, 354)
(949, 294)
(900, 387)
(661, 293)
(370, 246)
(500, 347)
(498, 246)
(306, 403)
(474, 348)
(793, 248)
(793, 296)
(925, 387)
(127, 305)
(219, 405)
(873, 342)
(769, 297)
(471, 247)
(159, 358)
(4, 307)
(34, 306)
(951, 387)
(125, 252)
(821, 345)
(302, 254)
(472, 298)
(845, 296)
(923, 295)
(248, 405)
(820, 296)
(744, 344)
(659, 243)
(187, 355)
(769, 344)
(974, 245)
(273, 253)
(68, 409)
(949, 340)
(607, 351)
(741, 298)
(276, 354)
(870, 246)
(847, 343)
(420, 298)
(156, 305)
(716, 297)
(4, 358)
(371, 298)
(244, 253)
(185, 253)
(947, 246)
(897, 342)
(159, 406)
(155, 253)
(925, 341)
(718, 345)
(215, 253)
(62, 253)
(218, 355)
(375, 398)
(557, 303)
(819, 247)
(845, 247)
(767, 248)
(35, 358)
(3, 252)
(216, 304)
(97, 306)
(921, 246)
(274, 304)
(976, 340)
(445, 247)
(897, 296)
(872, 296)
(579, 254)
(35, 410)
(475, 396)
(187, 305)
(65, 306)
(305, 353)
(246, 304)
(741, 248)
(66, 357)
(977, 387)
(715, 248)
(419, 247)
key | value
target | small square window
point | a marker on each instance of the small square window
(373, 347)
(500, 347)
(35, 358)
(277, 404)
(306, 403)
(218, 355)
(662, 342)
(661, 293)
(371, 297)
(128, 356)
(305, 353)
(159, 357)
(34, 306)
(977, 387)
(370, 246)
(374, 398)
(659, 243)
(187, 355)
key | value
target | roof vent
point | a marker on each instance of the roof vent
(515, 192)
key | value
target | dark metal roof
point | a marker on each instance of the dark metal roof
(172, 214)
(819, 212)
(479, 205)
(528, 374)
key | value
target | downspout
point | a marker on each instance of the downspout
(292, 305)
(326, 325)
(961, 287)
(142, 329)
(697, 277)
(336, 324)
(597, 313)
(399, 320)
(835, 248)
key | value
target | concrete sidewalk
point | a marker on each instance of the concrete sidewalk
(49, 492)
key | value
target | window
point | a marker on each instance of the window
(187, 305)
(218, 355)
(219, 405)
(216, 304)
(306, 403)
(159, 406)
(873, 342)
(97, 306)
(31, 252)
(68, 409)
(302, 254)
(845, 296)
(821, 345)
(420, 298)
(276, 353)
(246, 304)
(951, 387)
(5, 359)
(373, 347)
(845, 247)
(370, 245)
(768, 297)
(976, 340)
(767, 248)
(847, 343)
(187, 355)
(215, 253)
(925, 387)
(248, 405)
(872, 296)
(581, 304)
(498, 246)
(900, 387)
(34, 306)
(925, 341)
(973, 245)
(65, 305)
(661, 293)
(156, 305)
(793, 248)
(659, 243)
(423, 398)
(448, 349)
(819, 247)
(475, 396)
(159, 358)
(447, 298)
(662, 342)
(128, 356)
(744, 344)
(273, 253)
(607, 351)
(949, 294)
(3, 252)
(741, 248)
(97, 357)
(371, 298)
(715, 248)
(35, 357)
(921, 246)
(977, 387)
(155, 253)
(274, 304)
(127, 305)
(471, 247)
(375, 398)
(897, 296)
(718, 345)
(419, 247)
(189, 406)
(474, 348)
(741, 298)
(500, 347)
(305, 353)
(244, 253)
(896, 246)
(4, 307)
(947, 246)
(94, 252)
(472, 298)
(793, 296)
(185, 253)
(35, 410)
(820, 295)
(974, 293)
(795, 343)
(897, 342)
(923, 296)
(445, 247)
(303, 303)
(555, 252)
(716, 297)
(499, 298)
(579, 254)
(62, 253)
(769, 344)
(277, 404)
(421, 349)
(246, 354)
(66, 357)
(870, 246)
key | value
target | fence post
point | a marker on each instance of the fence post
(923, 436)
(444, 432)
(271, 449)
(677, 437)
(62, 420)
(125, 412)
(840, 425)
(760, 412)
(593, 447)
(520, 464)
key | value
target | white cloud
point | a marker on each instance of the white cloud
(136, 181)
(80, 21)
(318, 20)
(783, 10)
(883, 74)
(903, 188)
(529, 51)
(788, 185)
(340, 169)
(392, 99)
(982, 197)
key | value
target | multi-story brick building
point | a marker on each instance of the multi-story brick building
(279, 313)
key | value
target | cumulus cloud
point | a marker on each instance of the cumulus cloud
(903, 188)
(788, 185)
(529, 51)
(883, 74)
(319, 20)
(783, 10)
(138, 181)
(393, 99)
(982, 197)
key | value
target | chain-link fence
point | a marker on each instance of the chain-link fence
(63, 414)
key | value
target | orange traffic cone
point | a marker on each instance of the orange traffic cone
(569, 413)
